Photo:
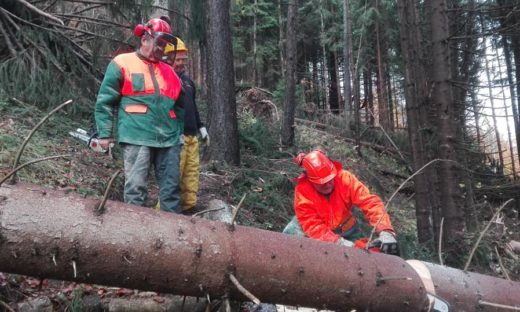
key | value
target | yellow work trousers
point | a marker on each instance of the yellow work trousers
(189, 170)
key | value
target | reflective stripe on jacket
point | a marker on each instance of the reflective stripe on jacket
(321, 215)
(142, 95)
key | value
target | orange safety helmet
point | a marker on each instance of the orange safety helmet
(318, 167)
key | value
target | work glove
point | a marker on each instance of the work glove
(204, 135)
(387, 243)
(344, 242)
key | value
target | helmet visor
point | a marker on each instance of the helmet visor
(164, 43)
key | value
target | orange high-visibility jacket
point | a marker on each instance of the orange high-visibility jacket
(320, 215)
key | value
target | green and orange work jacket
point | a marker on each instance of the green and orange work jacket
(323, 217)
(142, 96)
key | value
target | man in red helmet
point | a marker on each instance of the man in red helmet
(323, 200)
(137, 100)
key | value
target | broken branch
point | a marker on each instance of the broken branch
(30, 163)
(20, 151)
(40, 12)
(242, 289)
(484, 232)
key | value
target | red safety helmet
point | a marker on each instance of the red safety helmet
(318, 167)
(155, 25)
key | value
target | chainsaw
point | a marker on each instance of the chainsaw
(92, 140)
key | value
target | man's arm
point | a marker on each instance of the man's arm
(371, 205)
(108, 100)
(310, 221)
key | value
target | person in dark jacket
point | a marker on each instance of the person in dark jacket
(189, 163)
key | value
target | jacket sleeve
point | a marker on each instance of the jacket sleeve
(310, 221)
(108, 100)
(371, 205)
(197, 116)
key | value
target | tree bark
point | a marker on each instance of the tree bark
(382, 98)
(410, 43)
(347, 49)
(222, 112)
(324, 70)
(333, 84)
(442, 100)
(287, 134)
(52, 234)
(493, 114)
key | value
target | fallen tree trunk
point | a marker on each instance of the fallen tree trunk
(51, 234)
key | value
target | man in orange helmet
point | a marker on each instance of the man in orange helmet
(137, 101)
(323, 200)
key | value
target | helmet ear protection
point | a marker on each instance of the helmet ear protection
(299, 158)
(139, 30)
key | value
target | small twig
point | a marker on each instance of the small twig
(235, 213)
(74, 267)
(6, 306)
(395, 278)
(502, 267)
(101, 206)
(440, 241)
(227, 305)
(242, 289)
(393, 144)
(395, 193)
(42, 13)
(183, 303)
(205, 211)
(496, 305)
(20, 151)
(8, 42)
(30, 163)
(484, 232)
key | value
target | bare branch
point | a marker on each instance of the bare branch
(101, 206)
(30, 163)
(20, 151)
(42, 13)
(242, 289)
(484, 232)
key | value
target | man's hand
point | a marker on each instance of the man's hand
(106, 143)
(344, 242)
(388, 243)
(204, 135)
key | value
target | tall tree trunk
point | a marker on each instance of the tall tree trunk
(347, 52)
(442, 100)
(357, 109)
(514, 99)
(280, 37)
(333, 85)
(222, 112)
(464, 69)
(255, 69)
(324, 70)
(493, 112)
(287, 134)
(410, 43)
(370, 120)
(391, 107)
(509, 138)
(382, 99)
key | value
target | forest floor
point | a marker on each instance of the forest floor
(266, 177)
